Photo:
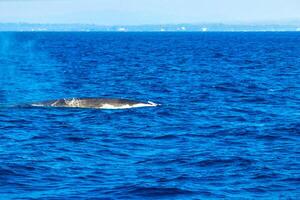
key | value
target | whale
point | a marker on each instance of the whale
(96, 103)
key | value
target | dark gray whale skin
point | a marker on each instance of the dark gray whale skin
(91, 103)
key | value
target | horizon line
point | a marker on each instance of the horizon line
(252, 23)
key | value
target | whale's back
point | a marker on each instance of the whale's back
(101, 103)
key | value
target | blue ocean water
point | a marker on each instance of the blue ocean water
(228, 125)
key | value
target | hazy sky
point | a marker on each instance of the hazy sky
(120, 12)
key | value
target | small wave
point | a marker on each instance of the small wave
(268, 137)
(157, 191)
(224, 162)
(294, 180)
(7, 172)
(75, 139)
(166, 137)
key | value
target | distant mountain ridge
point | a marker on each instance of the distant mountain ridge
(150, 28)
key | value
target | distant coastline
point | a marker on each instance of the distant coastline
(209, 27)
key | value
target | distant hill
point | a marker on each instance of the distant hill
(149, 28)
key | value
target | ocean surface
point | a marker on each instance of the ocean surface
(228, 126)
